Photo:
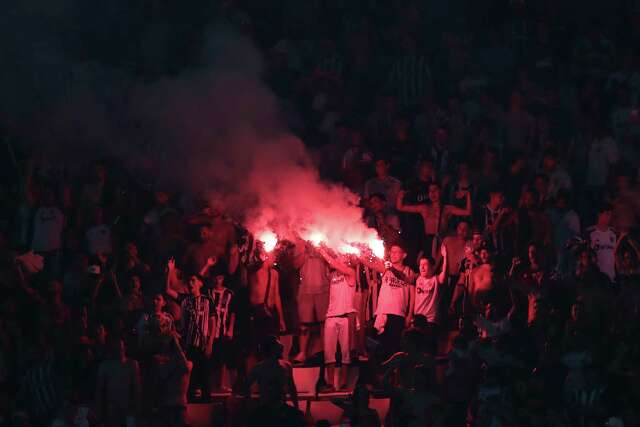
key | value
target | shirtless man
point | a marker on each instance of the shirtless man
(217, 239)
(273, 375)
(435, 215)
(267, 317)
(482, 281)
(118, 386)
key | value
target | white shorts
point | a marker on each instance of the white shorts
(338, 330)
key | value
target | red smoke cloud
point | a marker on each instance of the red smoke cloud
(223, 132)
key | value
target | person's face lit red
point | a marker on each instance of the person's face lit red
(549, 163)
(426, 171)
(604, 218)
(517, 165)
(382, 169)
(396, 255)
(434, 193)
(401, 130)
(158, 302)
(496, 199)
(101, 332)
(376, 205)
(219, 281)
(584, 259)
(426, 269)
(132, 250)
(462, 230)
(532, 253)
(540, 185)
(161, 197)
(136, 286)
(463, 171)
(195, 285)
(476, 240)
(529, 200)
(561, 203)
(485, 256)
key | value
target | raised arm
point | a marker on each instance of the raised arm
(445, 265)
(96, 290)
(336, 264)
(234, 259)
(116, 285)
(171, 275)
(375, 264)
(634, 246)
(466, 211)
(211, 261)
(401, 207)
(32, 293)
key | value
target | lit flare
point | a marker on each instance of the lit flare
(316, 238)
(377, 247)
(269, 240)
(348, 249)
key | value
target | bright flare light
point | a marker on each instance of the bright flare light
(348, 249)
(377, 247)
(269, 239)
(316, 238)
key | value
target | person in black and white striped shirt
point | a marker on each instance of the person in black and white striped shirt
(196, 328)
(410, 75)
(224, 308)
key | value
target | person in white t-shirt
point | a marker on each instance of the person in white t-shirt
(603, 153)
(99, 234)
(395, 299)
(602, 240)
(48, 228)
(428, 297)
(339, 325)
(559, 179)
(48, 224)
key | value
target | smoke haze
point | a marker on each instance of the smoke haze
(221, 130)
(217, 129)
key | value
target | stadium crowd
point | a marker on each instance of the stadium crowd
(495, 149)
